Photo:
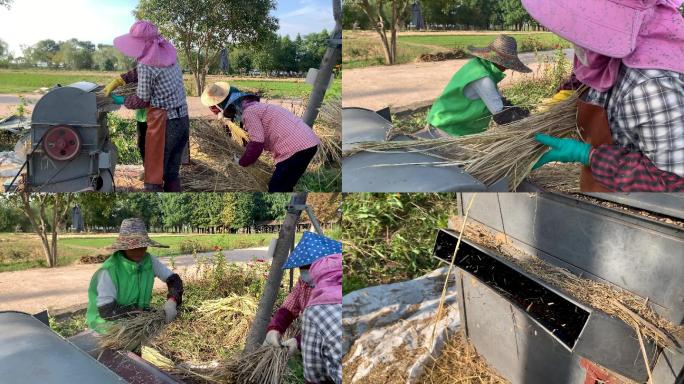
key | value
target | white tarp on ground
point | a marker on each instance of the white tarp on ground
(10, 164)
(388, 329)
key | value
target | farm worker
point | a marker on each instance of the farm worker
(632, 118)
(471, 98)
(272, 128)
(320, 260)
(161, 93)
(123, 285)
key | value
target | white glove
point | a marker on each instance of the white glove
(272, 338)
(291, 345)
(170, 310)
(236, 159)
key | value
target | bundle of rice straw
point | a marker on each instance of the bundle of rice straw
(129, 333)
(558, 177)
(266, 365)
(125, 91)
(503, 151)
(328, 128)
(212, 169)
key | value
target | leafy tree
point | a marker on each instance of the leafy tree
(43, 51)
(239, 210)
(375, 11)
(206, 210)
(241, 60)
(75, 54)
(108, 58)
(176, 210)
(201, 28)
(47, 213)
(99, 210)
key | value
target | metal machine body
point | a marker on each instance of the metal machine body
(596, 241)
(407, 172)
(70, 149)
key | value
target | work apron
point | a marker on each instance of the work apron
(155, 139)
(594, 129)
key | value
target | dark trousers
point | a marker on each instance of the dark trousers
(288, 172)
(177, 136)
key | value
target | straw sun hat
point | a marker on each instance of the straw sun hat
(133, 235)
(503, 51)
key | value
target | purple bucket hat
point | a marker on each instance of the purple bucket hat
(643, 33)
(145, 44)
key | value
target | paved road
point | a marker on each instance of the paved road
(403, 85)
(56, 289)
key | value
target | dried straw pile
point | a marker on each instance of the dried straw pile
(503, 151)
(131, 332)
(459, 362)
(212, 169)
(125, 91)
(214, 330)
(94, 259)
(328, 128)
(633, 310)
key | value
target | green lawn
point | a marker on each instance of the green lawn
(26, 81)
(23, 251)
(363, 48)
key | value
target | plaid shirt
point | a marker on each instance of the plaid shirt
(161, 88)
(282, 133)
(292, 307)
(646, 115)
(322, 343)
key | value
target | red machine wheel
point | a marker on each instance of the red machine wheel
(62, 143)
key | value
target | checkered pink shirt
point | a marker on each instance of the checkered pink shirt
(282, 133)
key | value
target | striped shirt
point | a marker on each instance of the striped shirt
(282, 133)
(163, 88)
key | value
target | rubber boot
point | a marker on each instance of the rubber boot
(153, 188)
(172, 186)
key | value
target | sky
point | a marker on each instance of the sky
(100, 21)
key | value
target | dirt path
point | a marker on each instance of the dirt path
(410, 84)
(56, 289)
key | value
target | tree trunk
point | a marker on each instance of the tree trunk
(332, 57)
(257, 332)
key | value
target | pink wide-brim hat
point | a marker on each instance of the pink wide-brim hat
(603, 26)
(645, 34)
(145, 44)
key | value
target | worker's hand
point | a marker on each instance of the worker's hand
(291, 345)
(236, 159)
(563, 150)
(118, 100)
(216, 111)
(114, 84)
(170, 310)
(272, 338)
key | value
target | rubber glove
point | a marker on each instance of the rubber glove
(563, 150)
(546, 104)
(114, 84)
(291, 345)
(170, 310)
(118, 100)
(272, 338)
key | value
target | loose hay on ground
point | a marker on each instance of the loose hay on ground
(459, 362)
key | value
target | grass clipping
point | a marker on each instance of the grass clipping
(212, 168)
(502, 151)
(130, 333)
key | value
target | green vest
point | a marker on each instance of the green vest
(456, 114)
(141, 115)
(133, 282)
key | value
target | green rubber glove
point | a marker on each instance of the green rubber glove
(118, 100)
(563, 150)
